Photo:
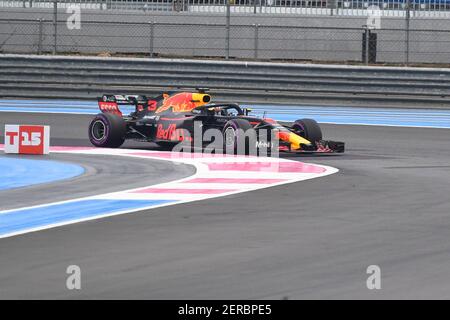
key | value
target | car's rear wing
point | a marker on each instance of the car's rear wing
(110, 103)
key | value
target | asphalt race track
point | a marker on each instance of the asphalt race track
(388, 206)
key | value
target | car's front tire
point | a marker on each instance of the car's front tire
(308, 129)
(236, 138)
(107, 130)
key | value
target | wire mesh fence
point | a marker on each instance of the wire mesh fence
(317, 7)
(406, 39)
(243, 41)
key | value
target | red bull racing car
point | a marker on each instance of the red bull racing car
(191, 118)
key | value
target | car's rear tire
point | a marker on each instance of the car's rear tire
(107, 130)
(234, 136)
(308, 129)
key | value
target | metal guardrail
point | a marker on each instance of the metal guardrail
(88, 77)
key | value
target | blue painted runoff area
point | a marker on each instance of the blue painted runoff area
(358, 116)
(19, 172)
(54, 106)
(21, 220)
(338, 115)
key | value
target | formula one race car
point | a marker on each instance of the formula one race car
(186, 117)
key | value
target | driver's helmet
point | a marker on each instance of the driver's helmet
(215, 110)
